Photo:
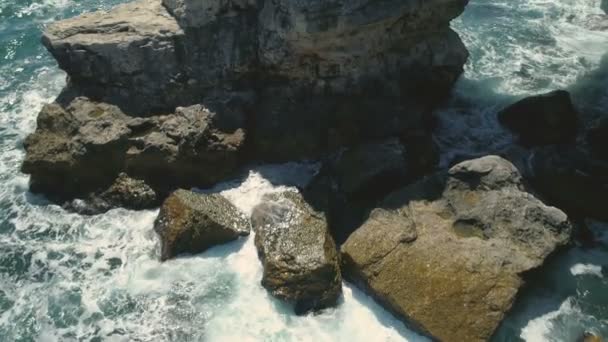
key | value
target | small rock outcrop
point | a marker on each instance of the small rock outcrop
(298, 254)
(542, 120)
(82, 148)
(191, 223)
(448, 253)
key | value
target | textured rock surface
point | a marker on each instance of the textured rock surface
(131, 53)
(302, 78)
(189, 222)
(125, 192)
(81, 149)
(298, 254)
(541, 120)
(448, 253)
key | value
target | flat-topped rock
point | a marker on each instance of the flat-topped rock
(298, 254)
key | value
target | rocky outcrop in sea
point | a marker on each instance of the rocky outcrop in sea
(182, 93)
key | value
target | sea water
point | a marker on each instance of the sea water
(66, 277)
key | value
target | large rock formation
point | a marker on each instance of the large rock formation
(300, 77)
(191, 223)
(82, 148)
(448, 253)
(298, 254)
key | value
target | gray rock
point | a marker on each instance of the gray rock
(81, 149)
(130, 54)
(298, 254)
(191, 223)
(448, 253)
(543, 119)
(125, 192)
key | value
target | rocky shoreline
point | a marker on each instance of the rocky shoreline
(169, 95)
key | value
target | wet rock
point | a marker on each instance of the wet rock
(298, 254)
(81, 149)
(191, 223)
(448, 253)
(604, 5)
(543, 119)
(573, 180)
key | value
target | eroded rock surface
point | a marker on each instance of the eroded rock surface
(448, 253)
(298, 254)
(81, 149)
(302, 78)
(191, 223)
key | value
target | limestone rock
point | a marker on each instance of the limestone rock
(130, 54)
(189, 222)
(541, 120)
(81, 149)
(298, 254)
(448, 253)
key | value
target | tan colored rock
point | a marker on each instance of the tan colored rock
(448, 253)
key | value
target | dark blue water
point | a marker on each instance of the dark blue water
(65, 277)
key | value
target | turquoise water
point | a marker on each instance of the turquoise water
(65, 277)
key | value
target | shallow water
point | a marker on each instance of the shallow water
(65, 277)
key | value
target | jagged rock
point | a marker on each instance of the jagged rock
(448, 253)
(572, 179)
(81, 149)
(303, 59)
(542, 120)
(125, 192)
(301, 78)
(298, 254)
(189, 222)
(76, 150)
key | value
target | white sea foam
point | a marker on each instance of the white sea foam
(589, 269)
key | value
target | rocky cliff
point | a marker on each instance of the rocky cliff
(296, 78)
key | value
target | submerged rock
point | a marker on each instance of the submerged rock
(298, 254)
(542, 120)
(190, 222)
(448, 254)
(81, 149)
